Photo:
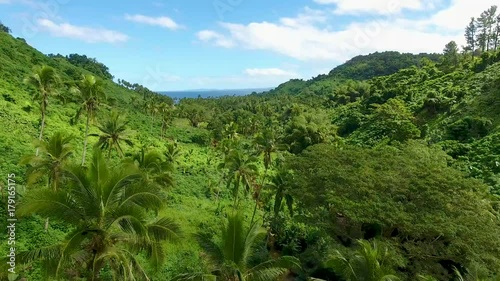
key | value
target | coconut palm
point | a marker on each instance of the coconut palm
(166, 110)
(369, 263)
(45, 80)
(107, 209)
(90, 95)
(152, 108)
(241, 171)
(266, 144)
(280, 184)
(173, 152)
(114, 131)
(231, 256)
(54, 156)
(154, 168)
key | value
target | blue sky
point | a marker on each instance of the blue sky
(193, 44)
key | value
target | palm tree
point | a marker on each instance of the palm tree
(173, 152)
(113, 132)
(45, 80)
(107, 209)
(90, 95)
(231, 255)
(369, 263)
(166, 111)
(154, 169)
(55, 155)
(242, 169)
(281, 184)
(54, 158)
(267, 144)
(151, 106)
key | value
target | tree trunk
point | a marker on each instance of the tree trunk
(85, 140)
(42, 127)
(258, 197)
(47, 225)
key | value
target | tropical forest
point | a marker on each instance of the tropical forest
(386, 168)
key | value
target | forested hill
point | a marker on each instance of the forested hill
(388, 168)
(362, 67)
(378, 64)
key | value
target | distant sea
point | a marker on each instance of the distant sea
(211, 93)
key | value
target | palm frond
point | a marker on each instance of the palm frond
(273, 269)
(213, 250)
(164, 229)
(59, 205)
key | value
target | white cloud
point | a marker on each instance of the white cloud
(309, 16)
(86, 34)
(457, 16)
(384, 7)
(164, 22)
(268, 72)
(215, 38)
(310, 39)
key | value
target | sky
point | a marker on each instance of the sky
(170, 45)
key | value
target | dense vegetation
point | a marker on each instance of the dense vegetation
(388, 168)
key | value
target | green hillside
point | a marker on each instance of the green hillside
(388, 168)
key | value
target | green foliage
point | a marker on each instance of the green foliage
(410, 192)
(231, 255)
(193, 112)
(4, 28)
(469, 128)
(90, 64)
(371, 262)
(378, 64)
(420, 204)
(55, 154)
(391, 121)
(107, 208)
(308, 129)
(114, 131)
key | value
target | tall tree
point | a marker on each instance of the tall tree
(496, 37)
(241, 171)
(491, 20)
(167, 115)
(51, 163)
(450, 56)
(486, 25)
(114, 131)
(54, 156)
(470, 36)
(45, 80)
(90, 95)
(482, 34)
(155, 170)
(107, 210)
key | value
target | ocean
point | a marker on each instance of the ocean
(211, 93)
